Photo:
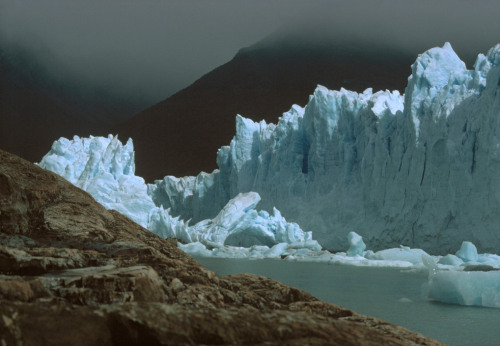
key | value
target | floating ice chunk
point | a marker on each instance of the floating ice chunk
(258, 251)
(466, 288)
(451, 260)
(469, 283)
(356, 245)
(467, 252)
(403, 253)
(491, 259)
(230, 252)
(300, 248)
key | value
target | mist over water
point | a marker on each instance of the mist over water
(151, 49)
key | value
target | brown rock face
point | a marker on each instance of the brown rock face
(74, 273)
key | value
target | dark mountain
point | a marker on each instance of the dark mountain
(180, 135)
(41, 101)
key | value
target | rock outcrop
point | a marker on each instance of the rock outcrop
(72, 272)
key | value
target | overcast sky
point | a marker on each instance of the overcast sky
(159, 47)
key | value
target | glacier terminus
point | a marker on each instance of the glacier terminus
(419, 170)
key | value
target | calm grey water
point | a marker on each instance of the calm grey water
(391, 294)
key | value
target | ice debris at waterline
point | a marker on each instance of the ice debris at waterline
(356, 245)
(105, 168)
(468, 278)
(479, 288)
(419, 169)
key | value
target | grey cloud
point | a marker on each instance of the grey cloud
(154, 48)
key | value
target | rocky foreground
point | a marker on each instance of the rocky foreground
(72, 272)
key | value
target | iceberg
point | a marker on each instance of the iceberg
(465, 283)
(451, 280)
(467, 252)
(450, 260)
(356, 245)
(105, 168)
(278, 251)
(467, 278)
(466, 288)
(403, 253)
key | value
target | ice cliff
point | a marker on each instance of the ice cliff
(419, 169)
(105, 168)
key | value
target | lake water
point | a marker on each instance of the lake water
(394, 295)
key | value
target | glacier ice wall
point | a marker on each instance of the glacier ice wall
(420, 169)
(105, 168)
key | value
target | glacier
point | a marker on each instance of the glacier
(105, 168)
(415, 174)
(419, 169)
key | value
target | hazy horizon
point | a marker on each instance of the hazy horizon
(155, 48)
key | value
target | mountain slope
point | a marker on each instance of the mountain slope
(39, 104)
(181, 135)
